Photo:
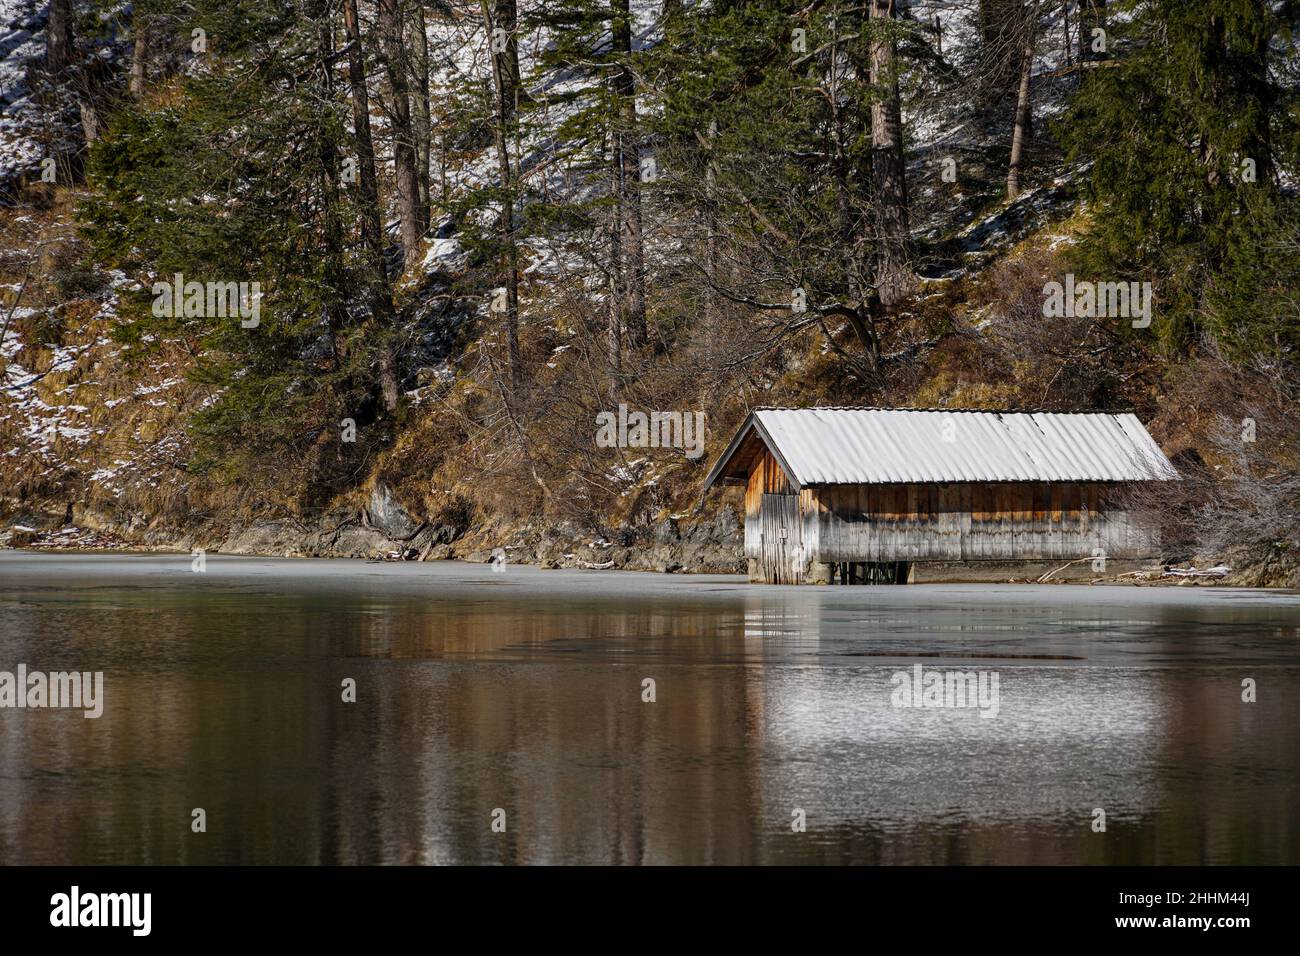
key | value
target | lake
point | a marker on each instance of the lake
(780, 729)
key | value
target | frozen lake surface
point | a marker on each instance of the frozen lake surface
(519, 697)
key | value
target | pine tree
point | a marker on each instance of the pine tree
(591, 43)
(889, 172)
(418, 45)
(398, 72)
(503, 43)
(1025, 32)
(1185, 132)
(251, 172)
(798, 222)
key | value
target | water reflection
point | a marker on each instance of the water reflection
(525, 695)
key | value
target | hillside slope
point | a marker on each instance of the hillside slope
(99, 410)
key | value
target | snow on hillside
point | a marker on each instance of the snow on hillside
(22, 40)
(64, 402)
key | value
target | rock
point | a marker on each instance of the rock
(357, 542)
(386, 515)
(443, 534)
(436, 552)
(725, 525)
(666, 532)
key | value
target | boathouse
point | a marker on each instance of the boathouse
(885, 495)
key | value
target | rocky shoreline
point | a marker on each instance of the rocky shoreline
(384, 530)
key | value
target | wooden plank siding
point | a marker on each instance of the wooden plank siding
(961, 521)
(766, 513)
(787, 531)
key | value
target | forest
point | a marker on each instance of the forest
(415, 252)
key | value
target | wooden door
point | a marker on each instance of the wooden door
(782, 541)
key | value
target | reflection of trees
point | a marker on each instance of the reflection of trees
(533, 704)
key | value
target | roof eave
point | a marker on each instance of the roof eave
(751, 422)
(711, 478)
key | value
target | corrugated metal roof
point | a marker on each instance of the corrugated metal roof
(818, 446)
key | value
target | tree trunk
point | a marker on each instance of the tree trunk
(72, 79)
(894, 276)
(139, 55)
(856, 291)
(379, 292)
(627, 155)
(420, 102)
(711, 316)
(863, 322)
(614, 339)
(504, 111)
(90, 121)
(1065, 32)
(1023, 108)
(334, 272)
(51, 90)
(60, 46)
(505, 17)
(397, 70)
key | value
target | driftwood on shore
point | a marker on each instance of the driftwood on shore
(1218, 571)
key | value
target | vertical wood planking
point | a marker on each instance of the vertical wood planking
(936, 521)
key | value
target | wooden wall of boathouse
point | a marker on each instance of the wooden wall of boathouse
(793, 536)
(774, 524)
(1011, 521)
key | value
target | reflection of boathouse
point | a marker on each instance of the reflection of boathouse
(872, 495)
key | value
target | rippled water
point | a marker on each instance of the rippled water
(523, 691)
